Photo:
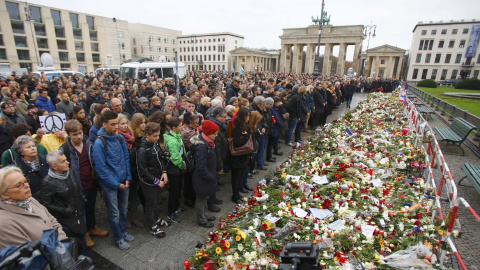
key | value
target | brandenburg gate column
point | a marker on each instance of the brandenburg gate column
(389, 71)
(310, 58)
(327, 63)
(285, 58)
(399, 68)
(297, 58)
(341, 60)
(356, 60)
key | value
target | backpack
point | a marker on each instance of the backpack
(289, 104)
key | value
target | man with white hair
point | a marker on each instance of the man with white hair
(216, 103)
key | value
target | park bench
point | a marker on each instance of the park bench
(425, 111)
(457, 133)
(472, 172)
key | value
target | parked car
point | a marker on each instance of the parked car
(449, 82)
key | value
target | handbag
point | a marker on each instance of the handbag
(242, 150)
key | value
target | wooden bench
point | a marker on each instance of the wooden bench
(425, 111)
(457, 133)
(472, 172)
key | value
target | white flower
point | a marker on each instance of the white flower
(264, 207)
(401, 226)
(280, 213)
(455, 233)
(368, 265)
(298, 200)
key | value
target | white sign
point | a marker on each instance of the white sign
(51, 123)
(368, 230)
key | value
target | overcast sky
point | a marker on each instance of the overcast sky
(261, 21)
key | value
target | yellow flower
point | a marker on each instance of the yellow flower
(218, 250)
(238, 238)
(243, 234)
(227, 244)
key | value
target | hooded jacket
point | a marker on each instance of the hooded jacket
(204, 178)
(45, 103)
(221, 144)
(150, 162)
(174, 144)
(232, 91)
(34, 177)
(74, 165)
(112, 164)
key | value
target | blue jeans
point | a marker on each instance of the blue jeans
(117, 205)
(349, 100)
(292, 124)
(261, 150)
(298, 132)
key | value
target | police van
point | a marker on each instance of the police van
(143, 70)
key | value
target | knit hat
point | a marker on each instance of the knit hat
(269, 101)
(209, 127)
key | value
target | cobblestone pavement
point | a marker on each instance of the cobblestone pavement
(170, 252)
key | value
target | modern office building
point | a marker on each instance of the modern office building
(77, 41)
(444, 50)
(153, 42)
(209, 51)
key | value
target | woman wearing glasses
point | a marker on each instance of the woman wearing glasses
(23, 218)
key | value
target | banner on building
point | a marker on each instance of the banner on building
(473, 41)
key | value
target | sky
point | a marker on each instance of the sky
(261, 21)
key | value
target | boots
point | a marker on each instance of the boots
(132, 219)
(89, 240)
(98, 232)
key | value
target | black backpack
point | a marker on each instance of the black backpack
(289, 104)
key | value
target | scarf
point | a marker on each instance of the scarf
(36, 163)
(86, 123)
(61, 176)
(24, 204)
(129, 138)
(222, 126)
(208, 140)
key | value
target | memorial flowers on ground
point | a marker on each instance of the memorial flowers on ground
(355, 190)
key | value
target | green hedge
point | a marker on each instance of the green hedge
(469, 84)
(427, 83)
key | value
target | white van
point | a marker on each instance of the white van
(143, 70)
(114, 69)
(51, 73)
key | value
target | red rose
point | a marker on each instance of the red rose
(264, 226)
(222, 242)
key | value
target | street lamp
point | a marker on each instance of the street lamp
(32, 21)
(369, 27)
(316, 72)
(118, 42)
(193, 39)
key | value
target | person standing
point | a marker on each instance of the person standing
(65, 106)
(112, 163)
(293, 106)
(233, 90)
(320, 102)
(238, 164)
(205, 173)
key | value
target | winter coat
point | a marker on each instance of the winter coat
(6, 140)
(7, 155)
(176, 148)
(297, 108)
(187, 133)
(92, 134)
(14, 119)
(112, 164)
(350, 89)
(150, 162)
(50, 141)
(67, 109)
(74, 160)
(309, 100)
(239, 139)
(204, 178)
(278, 126)
(203, 110)
(303, 110)
(319, 98)
(64, 200)
(232, 91)
(330, 102)
(22, 106)
(34, 177)
(221, 144)
(18, 226)
(45, 103)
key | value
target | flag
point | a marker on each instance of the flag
(241, 71)
(349, 132)
(233, 69)
(406, 86)
(224, 71)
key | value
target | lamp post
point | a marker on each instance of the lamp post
(32, 21)
(369, 27)
(118, 42)
(316, 72)
(193, 38)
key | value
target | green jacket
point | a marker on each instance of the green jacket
(174, 145)
(7, 159)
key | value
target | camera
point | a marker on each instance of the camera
(299, 255)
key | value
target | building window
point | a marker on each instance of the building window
(17, 27)
(454, 74)
(419, 58)
(3, 54)
(96, 57)
(26, 65)
(458, 58)
(12, 9)
(134, 41)
(65, 66)
(1, 40)
(382, 62)
(428, 57)
(434, 32)
(424, 74)
(465, 31)
(462, 43)
(173, 41)
(91, 22)
(134, 50)
(93, 35)
(159, 49)
(40, 29)
(424, 32)
(434, 74)
(451, 44)
(63, 56)
(159, 39)
(57, 19)
(20, 41)
(59, 31)
(415, 74)
(165, 40)
(454, 31)
(35, 14)
(124, 57)
(441, 43)
(62, 44)
(77, 33)
(42, 43)
(23, 55)
(209, 57)
(223, 57)
(475, 74)
(80, 57)
(447, 58)
(94, 47)
(121, 34)
(74, 20)
(122, 46)
(150, 38)
(478, 59)
(150, 48)
(444, 74)
(166, 49)
(78, 46)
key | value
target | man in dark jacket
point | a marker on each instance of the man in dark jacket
(349, 91)
(219, 117)
(233, 90)
(294, 109)
(258, 105)
(11, 115)
(320, 102)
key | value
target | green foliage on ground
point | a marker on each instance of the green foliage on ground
(427, 83)
(468, 84)
(472, 105)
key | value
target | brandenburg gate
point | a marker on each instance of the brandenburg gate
(293, 41)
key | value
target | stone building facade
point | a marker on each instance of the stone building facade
(156, 43)
(384, 61)
(255, 60)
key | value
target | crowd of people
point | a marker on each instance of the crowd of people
(132, 140)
